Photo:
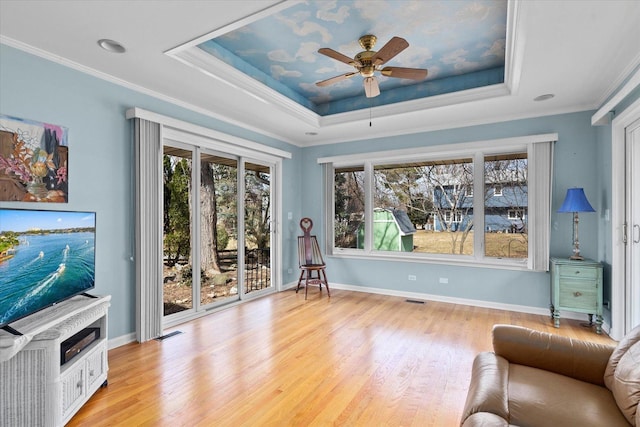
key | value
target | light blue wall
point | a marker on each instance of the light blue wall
(101, 161)
(101, 180)
(576, 163)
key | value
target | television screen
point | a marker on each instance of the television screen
(45, 258)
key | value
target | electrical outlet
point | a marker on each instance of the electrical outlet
(289, 270)
(289, 215)
(444, 280)
(412, 277)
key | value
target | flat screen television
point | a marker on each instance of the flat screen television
(45, 257)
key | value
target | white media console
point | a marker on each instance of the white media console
(36, 389)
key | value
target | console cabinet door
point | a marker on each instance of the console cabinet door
(73, 388)
(97, 366)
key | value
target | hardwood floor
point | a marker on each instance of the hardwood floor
(355, 359)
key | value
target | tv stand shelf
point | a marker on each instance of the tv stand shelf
(35, 388)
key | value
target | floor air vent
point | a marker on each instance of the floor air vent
(415, 301)
(172, 334)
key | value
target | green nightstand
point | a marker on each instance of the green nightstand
(576, 286)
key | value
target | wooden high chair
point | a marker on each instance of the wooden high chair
(310, 259)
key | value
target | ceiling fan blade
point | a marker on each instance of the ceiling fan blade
(389, 50)
(404, 73)
(338, 56)
(336, 79)
(371, 88)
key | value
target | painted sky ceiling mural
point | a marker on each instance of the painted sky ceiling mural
(461, 43)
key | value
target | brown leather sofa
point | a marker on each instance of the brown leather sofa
(539, 379)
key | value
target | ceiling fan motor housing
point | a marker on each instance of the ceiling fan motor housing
(364, 58)
(368, 41)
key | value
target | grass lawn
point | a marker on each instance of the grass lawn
(496, 244)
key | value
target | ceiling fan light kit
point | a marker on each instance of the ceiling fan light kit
(369, 61)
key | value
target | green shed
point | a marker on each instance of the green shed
(392, 231)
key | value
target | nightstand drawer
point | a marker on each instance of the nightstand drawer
(580, 298)
(580, 283)
(577, 272)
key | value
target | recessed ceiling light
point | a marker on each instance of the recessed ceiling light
(111, 46)
(544, 97)
(311, 133)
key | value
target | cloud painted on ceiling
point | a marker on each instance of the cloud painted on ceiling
(461, 43)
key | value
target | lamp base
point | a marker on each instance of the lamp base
(577, 257)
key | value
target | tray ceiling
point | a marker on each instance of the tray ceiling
(462, 44)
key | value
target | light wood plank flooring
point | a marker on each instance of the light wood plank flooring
(355, 359)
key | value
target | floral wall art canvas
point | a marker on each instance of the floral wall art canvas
(33, 161)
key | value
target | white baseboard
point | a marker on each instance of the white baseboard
(463, 301)
(121, 340)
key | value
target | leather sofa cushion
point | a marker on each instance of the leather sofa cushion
(625, 344)
(626, 384)
(542, 398)
(622, 375)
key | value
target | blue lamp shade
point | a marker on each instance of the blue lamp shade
(576, 201)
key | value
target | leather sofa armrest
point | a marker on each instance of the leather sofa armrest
(488, 389)
(578, 359)
(485, 419)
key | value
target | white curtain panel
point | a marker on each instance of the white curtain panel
(148, 163)
(540, 182)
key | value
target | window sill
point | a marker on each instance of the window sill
(461, 261)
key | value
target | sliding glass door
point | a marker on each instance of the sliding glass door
(209, 257)
(218, 229)
(177, 277)
(257, 226)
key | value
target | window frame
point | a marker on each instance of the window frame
(477, 151)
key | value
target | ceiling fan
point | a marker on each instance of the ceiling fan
(369, 61)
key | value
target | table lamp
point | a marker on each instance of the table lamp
(575, 202)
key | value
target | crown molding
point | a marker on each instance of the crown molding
(634, 66)
(514, 48)
(603, 116)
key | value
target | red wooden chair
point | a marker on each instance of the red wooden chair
(312, 266)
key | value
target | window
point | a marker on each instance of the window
(505, 224)
(348, 196)
(452, 216)
(515, 214)
(418, 204)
